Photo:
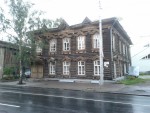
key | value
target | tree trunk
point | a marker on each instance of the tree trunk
(20, 62)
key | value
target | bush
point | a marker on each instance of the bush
(8, 71)
(8, 74)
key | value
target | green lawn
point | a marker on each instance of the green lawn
(130, 80)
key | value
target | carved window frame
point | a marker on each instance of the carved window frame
(96, 67)
(53, 45)
(81, 67)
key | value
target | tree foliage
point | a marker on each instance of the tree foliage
(23, 19)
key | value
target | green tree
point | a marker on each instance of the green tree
(22, 20)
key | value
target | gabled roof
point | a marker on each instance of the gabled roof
(63, 25)
(111, 22)
(86, 21)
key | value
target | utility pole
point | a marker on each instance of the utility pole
(101, 80)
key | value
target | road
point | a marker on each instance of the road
(34, 100)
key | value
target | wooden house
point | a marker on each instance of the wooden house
(73, 51)
(8, 52)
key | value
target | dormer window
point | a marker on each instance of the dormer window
(96, 42)
(53, 44)
(66, 44)
(81, 42)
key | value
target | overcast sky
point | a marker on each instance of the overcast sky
(135, 14)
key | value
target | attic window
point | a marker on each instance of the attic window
(146, 57)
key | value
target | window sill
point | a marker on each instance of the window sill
(51, 74)
(81, 75)
(95, 50)
(39, 53)
(80, 51)
(96, 75)
(66, 75)
(51, 53)
(66, 52)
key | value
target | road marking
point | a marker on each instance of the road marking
(9, 105)
(86, 99)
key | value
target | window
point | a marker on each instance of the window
(120, 47)
(96, 67)
(81, 68)
(66, 44)
(123, 48)
(113, 39)
(39, 46)
(126, 50)
(66, 67)
(81, 42)
(52, 68)
(53, 45)
(38, 49)
(96, 39)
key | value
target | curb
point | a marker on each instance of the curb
(39, 88)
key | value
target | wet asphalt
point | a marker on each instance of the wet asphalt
(43, 100)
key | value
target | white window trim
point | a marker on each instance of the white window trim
(52, 43)
(38, 49)
(66, 41)
(113, 42)
(81, 42)
(124, 51)
(66, 68)
(96, 41)
(38, 46)
(120, 46)
(52, 68)
(82, 67)
(96, 67)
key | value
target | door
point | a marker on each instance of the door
(37, 71)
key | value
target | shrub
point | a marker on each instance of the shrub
(8, 71)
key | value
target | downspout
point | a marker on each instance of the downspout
(111, 52)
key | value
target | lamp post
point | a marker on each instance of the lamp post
(101, 80)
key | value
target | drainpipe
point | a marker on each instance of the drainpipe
(111, 52)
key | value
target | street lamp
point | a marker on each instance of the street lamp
(101, 79)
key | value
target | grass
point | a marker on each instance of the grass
(130, 80)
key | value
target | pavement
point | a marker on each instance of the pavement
(142, 89)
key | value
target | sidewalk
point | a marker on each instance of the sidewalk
(109, 86)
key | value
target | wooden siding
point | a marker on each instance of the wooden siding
(89, 54)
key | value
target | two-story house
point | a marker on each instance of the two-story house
(73, 51)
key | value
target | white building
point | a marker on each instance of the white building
(140, 54)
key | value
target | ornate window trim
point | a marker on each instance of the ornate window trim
(81, 67)
(53, 45)
(66, 44)
(66, 68)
